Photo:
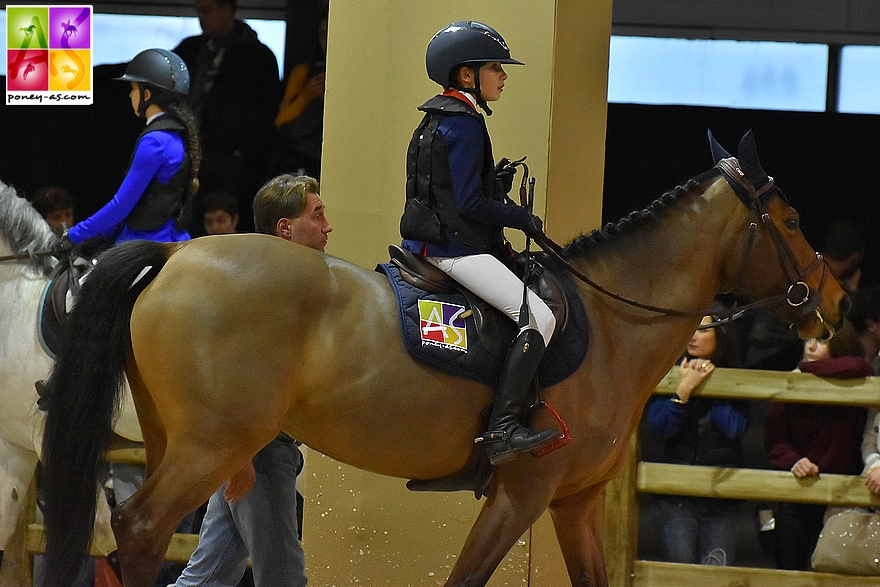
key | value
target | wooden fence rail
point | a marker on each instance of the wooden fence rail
(621, 507)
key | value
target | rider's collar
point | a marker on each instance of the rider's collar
(155, 116)
(461, 96)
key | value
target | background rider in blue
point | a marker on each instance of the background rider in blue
(262, 522)
(455, 215)
(154, 201)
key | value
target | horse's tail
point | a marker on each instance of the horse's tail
(84, 389)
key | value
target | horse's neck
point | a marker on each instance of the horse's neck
(15, 268)
(675, 262)
(5, 248)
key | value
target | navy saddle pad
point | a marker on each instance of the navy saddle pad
(439, 329)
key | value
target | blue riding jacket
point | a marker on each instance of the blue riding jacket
(158, 156)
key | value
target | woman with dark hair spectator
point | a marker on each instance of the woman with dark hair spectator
(300, 119)
(701, 431)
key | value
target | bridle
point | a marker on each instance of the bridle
(798, 294)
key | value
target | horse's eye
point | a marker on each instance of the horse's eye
(792, 224)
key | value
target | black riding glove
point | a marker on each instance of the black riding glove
(91, 246)
(61, 247)
(504, 173)
(535, 228)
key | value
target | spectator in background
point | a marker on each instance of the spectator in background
(235, 94)
(843, 250)
(871, 451)
(772, 344)
(221, 213)
(700, 431)
(300, 119)
(56, 206)
(865, 317)
(809, 439)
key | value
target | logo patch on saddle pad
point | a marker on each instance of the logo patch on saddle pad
(441, 324)
(439, 330)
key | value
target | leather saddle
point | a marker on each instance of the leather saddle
(64, 283)
(495, 331)
(493, 327)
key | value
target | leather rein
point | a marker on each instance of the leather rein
(797, 295)
(27, 255)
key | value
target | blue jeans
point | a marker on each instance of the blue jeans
(699, 530)
(262, 525)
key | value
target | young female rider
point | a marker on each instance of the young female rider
(154, 201)
(454, 216)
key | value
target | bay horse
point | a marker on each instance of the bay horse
(227, 340)
(24, 277)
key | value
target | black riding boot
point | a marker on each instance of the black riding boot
(507, 436)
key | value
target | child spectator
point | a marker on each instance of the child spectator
(809, 439)
(55, 205)
(221, 213)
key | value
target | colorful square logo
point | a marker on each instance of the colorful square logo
(441, 324)
(49, 54)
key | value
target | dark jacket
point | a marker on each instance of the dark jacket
(704, 431)
(238, 112)
(452, 208)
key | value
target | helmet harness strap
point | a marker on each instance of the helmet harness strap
(143, 104)
(475, 91)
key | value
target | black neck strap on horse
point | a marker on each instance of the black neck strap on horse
(785, 254)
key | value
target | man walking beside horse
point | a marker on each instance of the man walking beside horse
(255, 512)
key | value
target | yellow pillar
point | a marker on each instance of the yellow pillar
(362, 528)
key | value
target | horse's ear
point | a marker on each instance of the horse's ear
(749, 162)
(718, 152)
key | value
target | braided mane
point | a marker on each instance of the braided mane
(24, 229)
(633, 220)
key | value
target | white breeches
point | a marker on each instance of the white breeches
(491, 280)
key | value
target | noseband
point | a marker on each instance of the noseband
(798, 294)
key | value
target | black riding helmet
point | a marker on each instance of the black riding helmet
(160, 70)
(466, 42)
